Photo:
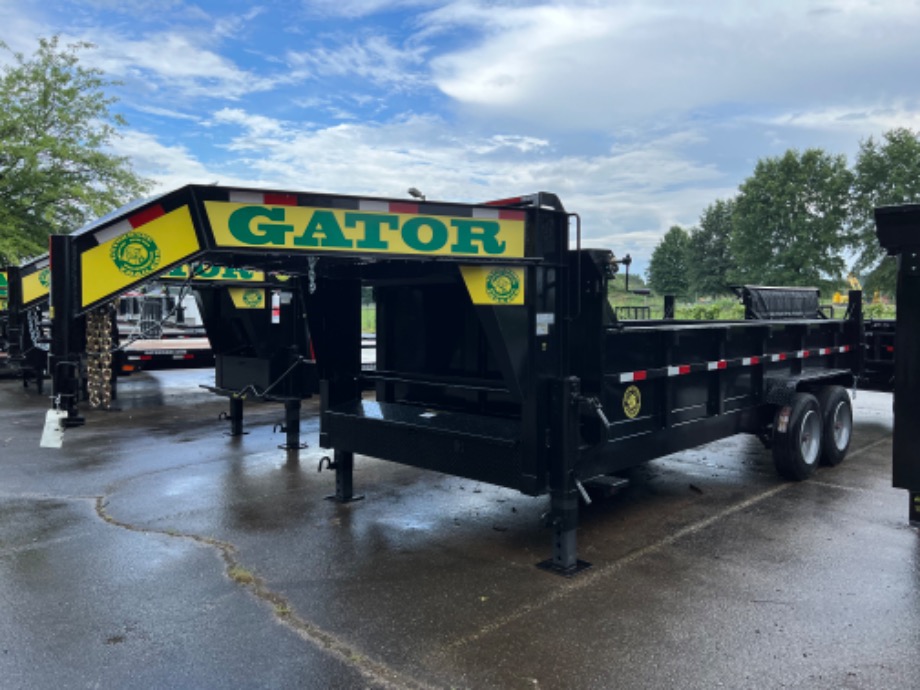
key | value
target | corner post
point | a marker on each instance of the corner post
(898, 231)
(64, 360)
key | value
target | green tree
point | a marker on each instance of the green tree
(667, 269)
(56, 172)
(887, 172)
(791, 221)
(708, 251)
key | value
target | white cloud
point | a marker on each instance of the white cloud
(627, 197)
(600, 65)
(372, 58)
(169, 167)
(172, 61)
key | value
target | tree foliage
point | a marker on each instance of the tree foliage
(708, 250)
(667, 269)
(56, 170)
(791, 221)
(886, 172)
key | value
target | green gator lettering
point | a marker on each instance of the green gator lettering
(323, 223)
(477, 230)
(237, 274)
(373, 223)
(411, 232)
(240, 225)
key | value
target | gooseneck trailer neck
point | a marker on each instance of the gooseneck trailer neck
(499, 357)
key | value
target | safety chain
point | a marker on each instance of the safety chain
(99, 357)
(311, 273)
(33, 319)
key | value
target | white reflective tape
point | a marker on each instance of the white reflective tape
(673, 371)
(239, 197)
(626, 378)
(113, 231)
(490, 213)
(374, 206)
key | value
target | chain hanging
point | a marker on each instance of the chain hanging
(33, 319)
(311, 272)
(99, 357)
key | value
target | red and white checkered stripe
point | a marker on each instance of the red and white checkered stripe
(721, 364)
(133, 222)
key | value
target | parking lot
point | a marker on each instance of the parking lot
(156, 551)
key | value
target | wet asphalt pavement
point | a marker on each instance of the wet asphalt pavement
(155, 551)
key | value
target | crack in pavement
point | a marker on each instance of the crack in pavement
(376, 672)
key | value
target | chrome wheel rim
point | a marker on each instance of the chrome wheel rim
(810, 437)
(843, 425)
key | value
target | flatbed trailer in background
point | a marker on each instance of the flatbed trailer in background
(498, 356)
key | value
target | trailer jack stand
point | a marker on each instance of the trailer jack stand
(235, 416)
(344, 465)
(291, 426)
(563, 561)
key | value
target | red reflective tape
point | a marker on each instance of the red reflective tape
(145, 216)
(280, 199)
(889, 348)
(806, 353)
(640, 375)
(189, 356)
(782, 356)
(511, 215)
(145, 358)
(403, 207)
(505, 202)
(683, 369)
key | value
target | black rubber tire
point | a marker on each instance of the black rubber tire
(797, 437)
(837, 415)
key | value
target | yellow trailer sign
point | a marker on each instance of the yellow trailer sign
(495, 285)
(247, 298)
(109, 268)
(36, 285)
(308, 229)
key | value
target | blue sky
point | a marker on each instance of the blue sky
(637, 113)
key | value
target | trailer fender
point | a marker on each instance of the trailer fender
(781, 390)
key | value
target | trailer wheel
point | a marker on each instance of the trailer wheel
(797, 437)
(837, 415)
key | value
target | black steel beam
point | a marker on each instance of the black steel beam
(898, 231)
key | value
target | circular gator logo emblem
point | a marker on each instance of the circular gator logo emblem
(45, 277)
(136, 254)
(632, 402)
(252, 298)
(502, 285)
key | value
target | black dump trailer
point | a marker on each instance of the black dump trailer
(527, 380)
(498, 355)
